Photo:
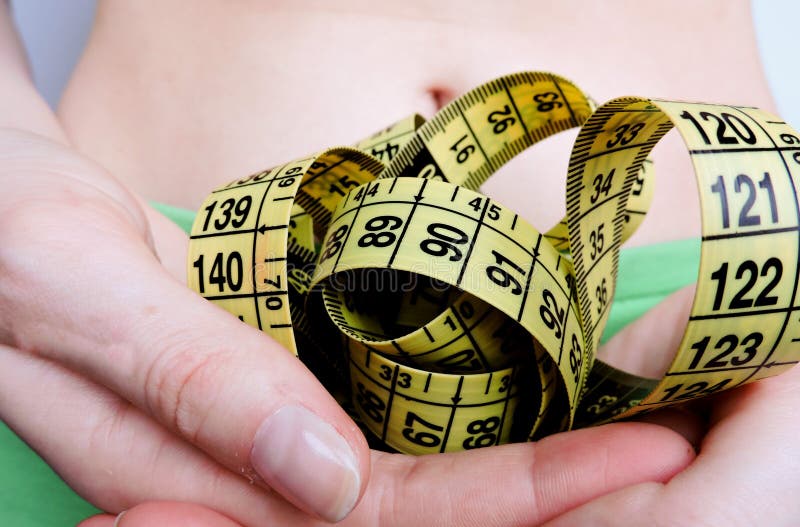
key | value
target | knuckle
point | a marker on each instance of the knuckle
(108, 430)
(412, 485)
(181, 385)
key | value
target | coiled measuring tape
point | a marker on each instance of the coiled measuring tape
(443, 321)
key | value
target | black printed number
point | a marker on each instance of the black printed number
(403, 379)
(724, 121)
(344, 183)
(505, 384)
(575, 358)
(386, 153)
(224, 271)
(727, 344)
(601, 294)
(500, 276)
(744, 184)
(501, 119)
(334, 243)
(773, 268)
(597, 241)
(366, 190)
(547, 101)
(422, 438)
(697, 389)
(602, 186)
(493, 210)
(461, 361)
(233, 212)
(638, 184)
(791, 139)
(624, 134)
(445, 241)
(370, 403)
(462, 152)
(380, 231)
(483, 432)
(552, 315)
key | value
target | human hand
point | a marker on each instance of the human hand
(136, 373)
(133, 388)
(746, 470)
(745, 473)
(509, 485)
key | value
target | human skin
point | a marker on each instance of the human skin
(158, 110)
(173, 114)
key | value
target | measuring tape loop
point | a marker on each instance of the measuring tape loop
(419, 412)
(445, 232)
(461, 325)
(743, 324)
(239, 245)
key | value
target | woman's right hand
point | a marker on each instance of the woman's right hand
(120, 376)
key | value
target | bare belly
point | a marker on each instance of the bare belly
(175, 99)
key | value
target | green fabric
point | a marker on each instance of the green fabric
(183, 218)
(32, 495)
(649, 274)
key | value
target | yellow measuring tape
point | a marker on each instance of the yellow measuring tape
(443, 321)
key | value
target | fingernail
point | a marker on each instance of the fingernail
(118, 518)
(308, 462)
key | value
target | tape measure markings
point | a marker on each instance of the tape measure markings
(461, 395)
(442, 208)
(410, 189)
(369, 188)
(792, 186)
(425, 231)
(280, 323)
(468, 333)
(269, 248)
(668, 390)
